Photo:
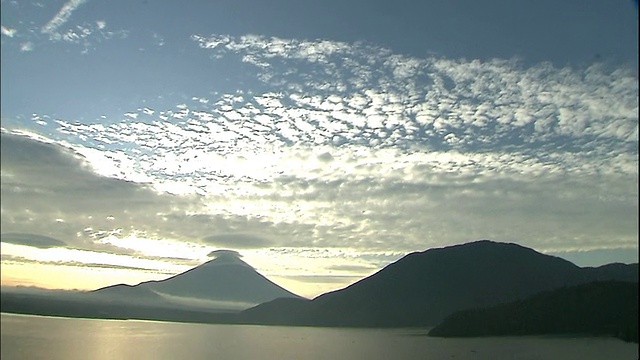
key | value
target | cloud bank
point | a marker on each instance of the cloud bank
(343, 146)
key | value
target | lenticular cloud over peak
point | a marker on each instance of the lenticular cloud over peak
(224, 254)
(226, 257)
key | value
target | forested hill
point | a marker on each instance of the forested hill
(607, 308)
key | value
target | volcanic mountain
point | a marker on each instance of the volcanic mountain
(224, 283)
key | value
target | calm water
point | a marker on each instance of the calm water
(36, 337)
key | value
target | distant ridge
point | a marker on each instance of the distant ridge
(123, 290)
(422, 288)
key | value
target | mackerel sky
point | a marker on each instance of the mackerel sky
(320, 139)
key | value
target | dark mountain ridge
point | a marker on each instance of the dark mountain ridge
(422, 288)
(419, 290)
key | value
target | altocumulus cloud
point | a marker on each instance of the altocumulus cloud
(382, 152)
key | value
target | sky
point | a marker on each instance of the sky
(322, 140)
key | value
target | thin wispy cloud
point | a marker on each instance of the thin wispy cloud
(61, 17)
(85, 34)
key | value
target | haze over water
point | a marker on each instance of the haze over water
(36, 337)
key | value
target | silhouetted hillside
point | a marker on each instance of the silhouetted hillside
(124, 291)
(422, 288)
(599, 308)
(622, 272)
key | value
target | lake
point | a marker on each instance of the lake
(38, 337)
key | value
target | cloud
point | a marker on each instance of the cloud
(96, 265)
(326, 279)
(7, 31)
(62, 16)
(439, 83)
(353, 268)
(89, 34)
(223, 254)
(34, 290)
(51, 190)
(27, 46)
(237, 241)
(347, 146)
(598, 257)
(34, 240)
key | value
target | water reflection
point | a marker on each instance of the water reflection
(34, 337)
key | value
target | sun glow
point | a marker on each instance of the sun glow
(54, 276)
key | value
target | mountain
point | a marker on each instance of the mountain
(423, 288)
(210, 293)
(224, 283)
(419, 290)
(616, 271)
(600, 308)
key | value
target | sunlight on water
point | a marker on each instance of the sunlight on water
(35, 337)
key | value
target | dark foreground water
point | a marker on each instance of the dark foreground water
(37, 337)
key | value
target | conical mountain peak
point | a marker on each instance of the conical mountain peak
(226, 280)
